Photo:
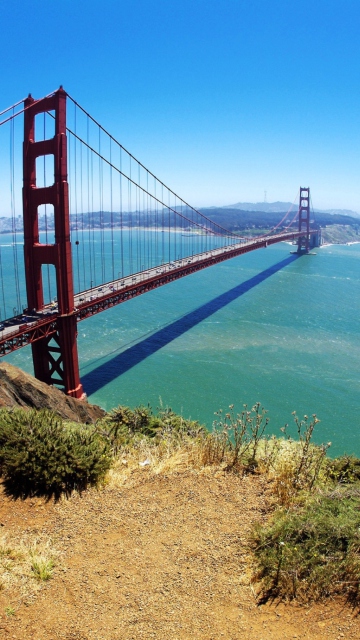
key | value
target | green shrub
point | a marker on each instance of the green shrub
(345, 469)
(312, 551)
(123, 426)
(41, 455)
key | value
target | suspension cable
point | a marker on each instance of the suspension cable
(18, 113)
(143, 167)
(197, 224)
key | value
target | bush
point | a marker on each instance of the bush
(123, 426)
(345, 469)
(41, 455)
(313, 551)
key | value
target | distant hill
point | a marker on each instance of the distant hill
(341, 212)
(282, 207)
(240, 219)
(267, 207)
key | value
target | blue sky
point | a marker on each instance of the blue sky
(222, 99)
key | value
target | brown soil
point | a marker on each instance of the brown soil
(164, 556)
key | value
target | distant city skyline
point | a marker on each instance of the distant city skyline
(222, 100)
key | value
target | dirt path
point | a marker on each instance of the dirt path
(163, 557)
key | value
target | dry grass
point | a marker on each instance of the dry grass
(25, 563)
(236, 444)
(167, 455)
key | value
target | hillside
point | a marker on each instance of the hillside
(340, 234)
(162, 549)
(20, 389)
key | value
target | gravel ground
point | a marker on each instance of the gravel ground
(164, 556)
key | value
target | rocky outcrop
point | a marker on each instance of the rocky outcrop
(19, 389)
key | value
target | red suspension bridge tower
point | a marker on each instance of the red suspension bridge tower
(304, 220)
(55, 357)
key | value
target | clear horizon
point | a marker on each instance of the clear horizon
(224, 101)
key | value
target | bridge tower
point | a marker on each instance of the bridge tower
(304, 220)
(55, 358)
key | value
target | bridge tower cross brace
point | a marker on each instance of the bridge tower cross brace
(55, 357)
(304, 220)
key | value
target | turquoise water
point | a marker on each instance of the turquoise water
(265, 327)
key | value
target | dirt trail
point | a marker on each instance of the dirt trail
(166, 557)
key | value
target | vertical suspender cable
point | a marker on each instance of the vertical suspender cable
(93, 275)
(121, 219)
(130, 223)
(148, 223)
(145, 230)
(137, 249)
(89, 201)
(111, 219)
(169, 230)
(174, 216)
(138, 225)
(2, 285)
(162, 227)
(76, 206)
(46, 218)
(82, 218)
(156, 225)
(101, 199)
(13, 213)
(136, 229)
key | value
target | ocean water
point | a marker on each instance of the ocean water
(267, 326)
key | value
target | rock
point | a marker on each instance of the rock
(19, 389)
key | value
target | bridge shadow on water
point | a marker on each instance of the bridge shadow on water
(122, 362)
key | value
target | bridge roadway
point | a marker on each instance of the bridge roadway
(30, 326)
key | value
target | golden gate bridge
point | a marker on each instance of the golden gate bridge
(96, 228)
